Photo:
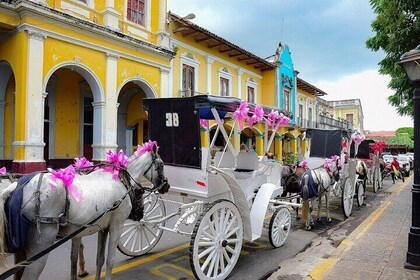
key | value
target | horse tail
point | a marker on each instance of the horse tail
(305, 197)
(3, 220)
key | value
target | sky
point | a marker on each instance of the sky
(326, 39)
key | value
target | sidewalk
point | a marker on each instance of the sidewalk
(377, 248)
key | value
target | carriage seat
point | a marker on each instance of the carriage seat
(224, 160)
(246, 165)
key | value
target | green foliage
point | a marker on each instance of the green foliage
(397, 28)
(290, 158)
(402, 139)
(408, 130)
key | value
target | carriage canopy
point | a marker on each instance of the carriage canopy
(175, 124)
(326, 142)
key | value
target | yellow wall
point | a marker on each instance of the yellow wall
(268, 94)
(342, 114)
(67, 112)
(136, 115)
(8, 110)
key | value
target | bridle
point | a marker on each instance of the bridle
(158, 166)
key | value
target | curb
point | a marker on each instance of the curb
(327, 264)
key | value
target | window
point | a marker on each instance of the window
(224, 86)
(83, 1)
(188, 76)
(310, 114)
(250, 94)
(301, 115)
(286, 99)
(349, 117)
(135, 11)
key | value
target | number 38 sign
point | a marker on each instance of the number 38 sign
(172, 119)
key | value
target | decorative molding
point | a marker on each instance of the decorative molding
(77, 60)
(98, 104)
(37, 35)
(112, 56)
(165, 71)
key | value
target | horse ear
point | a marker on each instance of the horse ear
(154, 149)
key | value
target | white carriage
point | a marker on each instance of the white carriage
(225, 197)
(325, 143)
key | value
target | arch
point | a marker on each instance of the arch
(98, 101)
(143, 84)
(7, 72)
(124, 99)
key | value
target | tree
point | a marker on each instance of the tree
(402, 139)
(397, 28)
(408, 130)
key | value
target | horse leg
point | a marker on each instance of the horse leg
(297, 209)
(100, 256)
(327, 205)
(38, 242)
(19, 256)
(114, 236)
(82, 271)
(305, 202)
(75, 246)
(318, 218)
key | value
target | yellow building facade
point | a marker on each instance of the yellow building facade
(72, 77)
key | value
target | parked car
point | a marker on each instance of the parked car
(404, 162)
(387, 158)
(412, 159)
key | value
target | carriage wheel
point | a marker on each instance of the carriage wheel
(279, 227)
(347, 198)
(139, 237)
(216, 241)
(337, 190)
(360, 193)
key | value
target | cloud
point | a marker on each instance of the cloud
(371, 88)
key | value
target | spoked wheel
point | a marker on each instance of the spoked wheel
(360, 193)
(216, 241)
(139, 237)
(347, 198)
(337, 190)
(279, 228)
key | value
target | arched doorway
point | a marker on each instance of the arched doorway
(7, 114)
(132, 123)
(73, 115)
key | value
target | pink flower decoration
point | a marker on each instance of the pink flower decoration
(303, 164)
(328, 163)
(357, 138)
(81, 163)
(118, 160)
(241, 114)
(257, 116)
(272, 118)
(66, 176)
(146, 147)
(204, 123)
(3, 170)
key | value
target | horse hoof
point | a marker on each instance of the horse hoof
(308, 228)
(83, 274)
(329, 220)
(297, 218)
(318, 220)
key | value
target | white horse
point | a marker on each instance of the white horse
(315, 184)
(100, 192)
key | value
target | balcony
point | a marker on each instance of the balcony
(303, 123)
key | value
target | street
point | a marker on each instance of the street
(258, 260)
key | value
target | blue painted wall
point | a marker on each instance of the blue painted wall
(286, 78)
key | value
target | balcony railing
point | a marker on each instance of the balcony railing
(324, 122)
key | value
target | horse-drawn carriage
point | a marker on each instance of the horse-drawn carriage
(226, 194)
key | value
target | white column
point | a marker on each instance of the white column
(110, 15)
(171, 79)
(210, 59)
(164, 82)
(163, 36)
(34, 125)
(240, 73)
(108, 139)
(2, 104)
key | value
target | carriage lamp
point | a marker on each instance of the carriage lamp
(411, 63)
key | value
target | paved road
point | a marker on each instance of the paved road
(170, 258)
